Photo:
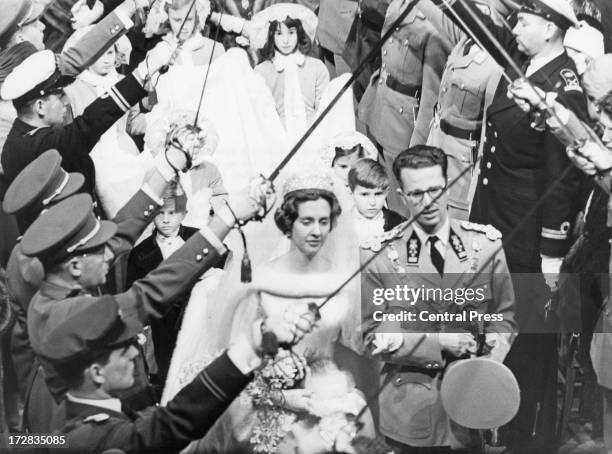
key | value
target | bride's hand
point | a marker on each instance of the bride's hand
(298, 400)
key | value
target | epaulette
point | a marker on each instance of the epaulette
(97, 418)
(491, 232)
(375, 243)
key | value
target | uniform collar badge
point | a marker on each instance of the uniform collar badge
(413, 249)
(458, 247)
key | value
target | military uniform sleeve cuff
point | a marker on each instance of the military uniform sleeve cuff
(126, 21)
(214, 241)
(148, 191)
(223, 379)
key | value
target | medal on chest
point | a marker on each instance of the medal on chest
(475, 261)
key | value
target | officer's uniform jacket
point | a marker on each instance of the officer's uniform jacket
(410, 407)
(26, 274)
(41, 385)
(520, 162)
(335, 20)
(192, 412)
(74, 141)
(412, 60)
(461, 102)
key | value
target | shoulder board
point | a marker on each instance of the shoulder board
(376, 243)
(491, 232)
(571, 80)
(97, 418)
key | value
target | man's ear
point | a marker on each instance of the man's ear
(74, 267)
(39, 107)
(95, 374)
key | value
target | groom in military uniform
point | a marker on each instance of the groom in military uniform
(434, 255)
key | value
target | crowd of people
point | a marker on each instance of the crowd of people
(356, 226)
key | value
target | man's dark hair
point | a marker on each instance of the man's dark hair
(419, 157)
(304, 44)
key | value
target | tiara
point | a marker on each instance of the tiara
(347, 140)
(308, 180)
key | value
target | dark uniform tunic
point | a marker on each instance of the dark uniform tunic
(519, 164)
(166, 430)
(74, 141)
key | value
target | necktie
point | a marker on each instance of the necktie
(436, 257)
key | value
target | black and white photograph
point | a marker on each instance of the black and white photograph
(305, 226)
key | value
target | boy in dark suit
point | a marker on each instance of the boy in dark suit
(369, 184)
(168, 235)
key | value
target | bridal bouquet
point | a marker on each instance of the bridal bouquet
(266, 393)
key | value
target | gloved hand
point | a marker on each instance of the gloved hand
(82, 15)
(158, 57)
(598, 155)
(253, 201)
(551, 267)
(457, 344)
(386, 342)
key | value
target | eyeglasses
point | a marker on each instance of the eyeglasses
(418, 196)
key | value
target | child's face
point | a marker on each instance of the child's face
(168, 220)
(285, 39)
(369, 202)
(342, 166)
(105, 63)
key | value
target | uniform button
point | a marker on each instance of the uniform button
(444, 89)
(495, 134)
(488, 165)
(146, 213)
(406, 42)
(428, 366)
(151, 207)
(436, 364)
(205, 251)
(199, 258)
(385, 52)
(398, 381)
(401, 110)
(462, 85)
(380, 82)
(390, 40)
(493, 149)
(384, 65)
(485, 181)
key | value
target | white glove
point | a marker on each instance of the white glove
(600, 156)
(551, 267)
(82, 16)
(156, 58)
(457, 343)
(386, 342)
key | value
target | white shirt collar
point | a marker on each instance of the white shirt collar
(443, 233)
(537, 63)
(111, 403)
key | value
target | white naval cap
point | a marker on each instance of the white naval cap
(35, 77)
(559, 12)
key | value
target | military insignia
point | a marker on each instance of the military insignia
(475, 257)
(458, 247)
(100, 417)
(491, 232)
(572, 83)
(413, 249)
